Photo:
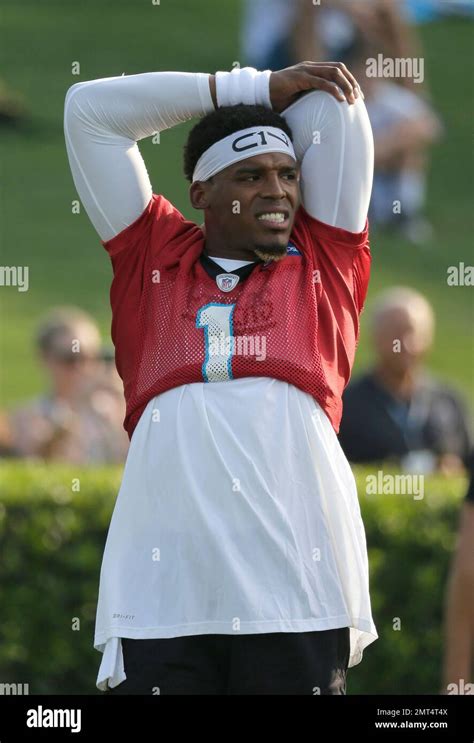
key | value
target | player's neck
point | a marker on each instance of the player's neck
(217, 250)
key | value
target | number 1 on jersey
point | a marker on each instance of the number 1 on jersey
(216, 320)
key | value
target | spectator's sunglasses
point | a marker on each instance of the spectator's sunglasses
(70, 358)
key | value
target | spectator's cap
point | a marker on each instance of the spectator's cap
(68, 333)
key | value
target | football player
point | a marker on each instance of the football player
(236, 560)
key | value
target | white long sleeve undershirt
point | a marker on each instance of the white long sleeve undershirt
(105, 118)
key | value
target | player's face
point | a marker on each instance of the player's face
(251, 206)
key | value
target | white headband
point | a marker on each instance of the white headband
(256, 140)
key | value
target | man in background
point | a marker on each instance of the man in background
(397, 411)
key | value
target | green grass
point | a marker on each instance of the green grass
(67, 263)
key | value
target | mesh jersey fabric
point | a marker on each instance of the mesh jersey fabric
(166, 310)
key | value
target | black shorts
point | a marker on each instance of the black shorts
(267, 663)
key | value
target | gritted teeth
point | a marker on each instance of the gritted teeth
(272, 217)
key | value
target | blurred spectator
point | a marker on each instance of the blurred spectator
(267, 33)
(12, 105)
(458, 667)
(279, 33)
(6, 443)
(79, 420)
(383, 24)
(404, 127)
(397, 411)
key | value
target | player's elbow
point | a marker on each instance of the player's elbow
(355, 130)
(72, 92)
(330, 120)
(74, 95)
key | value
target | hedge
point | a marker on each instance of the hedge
(52, 535)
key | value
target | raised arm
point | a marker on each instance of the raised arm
(103, 121)
(332, 140)
(105, 118)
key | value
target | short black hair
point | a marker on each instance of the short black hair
(222, 122)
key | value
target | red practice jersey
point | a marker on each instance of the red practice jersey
(174, 323)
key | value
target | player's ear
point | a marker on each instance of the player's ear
(199, 195)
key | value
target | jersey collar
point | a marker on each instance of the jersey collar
(213, 269)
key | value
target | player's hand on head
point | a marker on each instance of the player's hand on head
(287, 85)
